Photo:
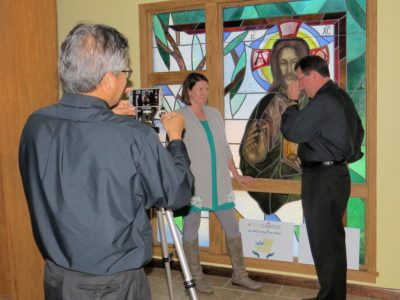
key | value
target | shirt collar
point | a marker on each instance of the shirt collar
(82, 101)
(328, 85)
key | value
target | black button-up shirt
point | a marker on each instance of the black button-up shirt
(89, 176)
(328, 128)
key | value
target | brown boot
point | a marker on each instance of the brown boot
(240, 276)
(191, 249)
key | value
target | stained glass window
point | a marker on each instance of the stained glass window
(251, 37)
(255, 82)
(179, 41)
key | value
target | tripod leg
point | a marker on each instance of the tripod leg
(165, 254)
(189, 283)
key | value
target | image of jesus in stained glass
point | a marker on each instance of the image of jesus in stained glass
(264, 153)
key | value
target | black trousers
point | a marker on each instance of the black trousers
(325, 193)
(63, 284)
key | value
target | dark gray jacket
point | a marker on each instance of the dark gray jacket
(89, 176)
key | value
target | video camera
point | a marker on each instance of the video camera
(147, 103)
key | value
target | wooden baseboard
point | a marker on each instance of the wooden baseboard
(353, 289)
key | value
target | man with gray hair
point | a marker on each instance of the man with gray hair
(89, 175)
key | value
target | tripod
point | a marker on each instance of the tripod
(188, 283)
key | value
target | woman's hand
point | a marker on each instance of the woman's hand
(241, 179)
(245, 180)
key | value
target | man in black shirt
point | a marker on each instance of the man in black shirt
(89, 175)
(329, 133)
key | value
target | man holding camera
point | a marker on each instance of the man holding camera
(89, 175)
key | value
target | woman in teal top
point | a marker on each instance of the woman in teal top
(211, 161)
(214, 185)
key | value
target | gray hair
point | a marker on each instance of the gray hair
(88, 52)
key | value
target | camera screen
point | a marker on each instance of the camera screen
(145, 97)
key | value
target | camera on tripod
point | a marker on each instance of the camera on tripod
(147, 103)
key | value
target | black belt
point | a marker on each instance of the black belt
(313, 164)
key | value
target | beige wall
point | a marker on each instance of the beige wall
(123, 14)
(388, 105)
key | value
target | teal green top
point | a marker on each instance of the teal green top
(214, 185)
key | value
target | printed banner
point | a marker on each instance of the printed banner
(352, 247)
(267, 240)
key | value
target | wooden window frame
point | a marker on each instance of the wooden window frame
(216, 253)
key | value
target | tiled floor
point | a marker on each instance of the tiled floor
(225, 290)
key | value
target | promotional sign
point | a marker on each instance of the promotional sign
(352, 247)
(267, 240)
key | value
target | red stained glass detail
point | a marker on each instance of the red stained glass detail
(259, 58)
(336, 61)
(323, 52)
(289, 28)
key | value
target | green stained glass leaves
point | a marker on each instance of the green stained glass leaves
(160, 36)
(198, 57)
(234, 43)
(357, 12)
(354, 7)
(179, 41)
(238, 72)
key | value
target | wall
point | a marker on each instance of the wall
(28, 80)
(123, 14)
(388, 106)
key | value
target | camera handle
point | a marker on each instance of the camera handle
(188, 280)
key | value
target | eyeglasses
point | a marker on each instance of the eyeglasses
(300, 79)
(128, 73)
